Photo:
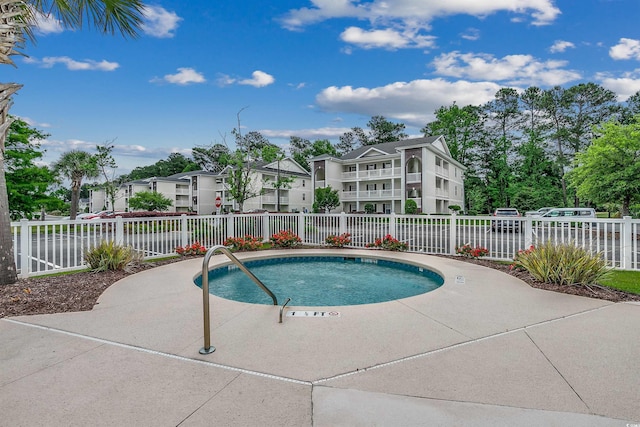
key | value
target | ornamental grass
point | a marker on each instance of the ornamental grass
(564, 264)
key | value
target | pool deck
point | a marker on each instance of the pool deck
(485, 349)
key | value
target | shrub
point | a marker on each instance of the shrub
(246, 243)
(338, 241)
(109, 256)
(410, 207)
(285, 239)
(389, 243)
(455, 208)
(564, 264)
(369, 208)
(193, 249)
(469, 252)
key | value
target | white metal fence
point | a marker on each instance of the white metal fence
(42, 247)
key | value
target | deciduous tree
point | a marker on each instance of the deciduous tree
(608, 171)
(149, 201)
(326, 198)
(27, 183)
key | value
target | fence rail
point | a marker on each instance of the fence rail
(42, 247)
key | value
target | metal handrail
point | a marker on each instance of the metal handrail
(282, 309)
(208, 348)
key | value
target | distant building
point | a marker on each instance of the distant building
(197, 191)
(387, 175)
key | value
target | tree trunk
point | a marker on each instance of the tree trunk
(75, 196)
(8, 272)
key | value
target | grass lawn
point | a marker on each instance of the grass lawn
(628, 281)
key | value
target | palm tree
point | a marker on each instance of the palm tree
(17, 21)
(76, 165)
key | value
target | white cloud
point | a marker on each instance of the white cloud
(416, 13)
(472, 34)
(158, 22)
(626, 49)
(561, 46)
(624, 86)
(73, 65)
(34, 123)
(258, 79)
(387, 38)
(47, 24)
(512, 69)
(412, 103)
(310, 134)
(184, 76)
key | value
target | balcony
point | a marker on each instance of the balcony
(414, 177)
(271, 200)
(418, 200)
(370, 195)
(442, 171)
(441, 192)
(372, 174)
(180, 190)
(320, 184)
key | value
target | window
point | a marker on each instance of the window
(456, 190)
(303, 196)
(303, 183)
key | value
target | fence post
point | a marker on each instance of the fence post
(343, 222)
(266, 231)
(230, 225)
(184, 230)
(528, 232)
(119, 230)
(626, 230)
(301, 227)
(452, 233)
(25, 248)
(392, 224)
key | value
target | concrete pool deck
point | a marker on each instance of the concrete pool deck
(484, 349)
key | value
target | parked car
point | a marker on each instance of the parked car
(539, 212)
(96, 215)
(506, 224)
(564, 215)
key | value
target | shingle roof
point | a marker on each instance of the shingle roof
(389, 147)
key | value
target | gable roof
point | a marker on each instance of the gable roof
(387, 148)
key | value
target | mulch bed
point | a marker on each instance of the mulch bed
(80, 291)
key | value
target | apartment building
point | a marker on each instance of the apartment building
(387, 175)
(197, 191)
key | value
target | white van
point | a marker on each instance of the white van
(570, 213)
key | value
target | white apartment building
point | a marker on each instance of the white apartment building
(197, 191)
(387, 175)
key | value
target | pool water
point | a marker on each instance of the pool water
(323, 281)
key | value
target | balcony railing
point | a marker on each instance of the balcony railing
(414, 177)
(372, 174)
(272, 199)
(371, 195)
(320, 184)
(442, 171)
(442, 192)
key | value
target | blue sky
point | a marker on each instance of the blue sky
(313, 69)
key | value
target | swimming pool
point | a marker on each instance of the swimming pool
(323, 280)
